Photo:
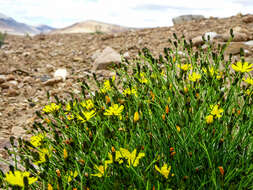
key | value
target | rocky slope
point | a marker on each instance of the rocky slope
(28, 64)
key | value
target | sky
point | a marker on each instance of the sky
(131, 13)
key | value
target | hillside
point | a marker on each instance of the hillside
(90, 26)
(27, 64)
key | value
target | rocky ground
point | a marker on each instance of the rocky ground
(28, 64)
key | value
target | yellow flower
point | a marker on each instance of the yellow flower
(49, 187)
(165, 171)
(17, 178)
(194, 77)
(136, 117)
(219, 75)
(68, 107)
(242, 67)
(65, 153)
(185, 67)
(70, 117)
(88, 104)
(129, 91)
(88, 115)
(110, 161)
(72, 175)
(101, 170)
(143, 79)
(42, 156)
(248, 80)
(37, 140)
(249, 92)
(51, 108)
(216, 111)
(209, 119)
(178, 128)
(115, 109)
(131, 157)
(212, 72)
(107, 86)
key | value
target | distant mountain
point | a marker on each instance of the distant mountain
(44, 28)
(91, 26)
(11, 26)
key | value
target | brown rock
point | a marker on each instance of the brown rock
(197, 41)
(10, 84)
(10, 77)
(78, 59)
(12, 92)
(234, 48)
(28, 79)
(238, 37)
(53, 81)
(248, 19)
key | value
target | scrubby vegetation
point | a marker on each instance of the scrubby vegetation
(2, 37)
(183, 121)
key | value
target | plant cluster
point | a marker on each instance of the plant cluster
(2, 38)
(182, 121)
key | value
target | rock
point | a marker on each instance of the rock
(95, 55)
(29, 91)
(246, 53)
(2, 79)
(186, 18)
(78, 59)
(49, 68)
(26, 54)
(106, 58)
(18, 131)
(105, 73)
(248, 19)
(126, 55)
(5, 85)
(44, 78)
(53, 81)
(28, 79)
(238, 37)
(248, 43)
(12, 92)
(13, 84)
(212, 35)
(61, 73)
(10, 77)
(197, 41)
(234, 48)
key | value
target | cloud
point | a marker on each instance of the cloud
(133, 13)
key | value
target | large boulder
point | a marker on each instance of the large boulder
(186, 18)
(105, 59)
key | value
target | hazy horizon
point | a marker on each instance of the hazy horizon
(130, 13)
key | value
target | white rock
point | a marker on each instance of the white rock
(211, 34)
(126, 55)
(61, 73)
(249, 43)
(2, 79)
(106, 58)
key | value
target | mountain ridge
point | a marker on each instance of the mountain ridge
(11, 26)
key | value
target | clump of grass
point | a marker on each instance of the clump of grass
(182, 121)
(2, 38)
